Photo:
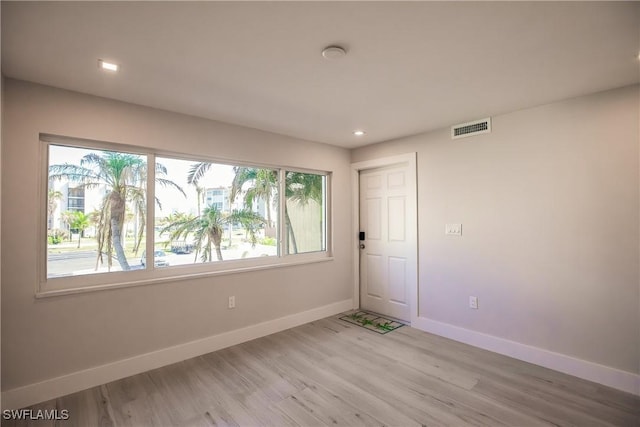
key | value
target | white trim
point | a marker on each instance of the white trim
(410, 159)
(283, 241)
(301, 259)
(355, 227)
(611, 377)
(60, 386)
(150, 233)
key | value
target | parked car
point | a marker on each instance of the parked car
(182, 247)
(159, 259)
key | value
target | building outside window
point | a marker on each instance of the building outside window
(75, 199)
(219, 197)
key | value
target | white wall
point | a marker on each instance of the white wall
(50, 337)
(549, 206)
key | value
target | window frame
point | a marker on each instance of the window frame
(324, 212)
(116, 279)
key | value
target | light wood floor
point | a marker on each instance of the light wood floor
(330, 372)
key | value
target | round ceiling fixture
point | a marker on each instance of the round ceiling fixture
(333, 52)
(359, 132)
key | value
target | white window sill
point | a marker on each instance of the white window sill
(44, 293)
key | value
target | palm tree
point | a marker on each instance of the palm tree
(53, 197)
(173, 217)
(197, 171)
(78, 221)
(304, 187)
(264, 186)
(300, 188)
(208, 227)
(67, 217)
(124, 177)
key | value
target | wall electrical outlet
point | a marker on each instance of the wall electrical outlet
(453, 229)
(473, 302)
(232, 302)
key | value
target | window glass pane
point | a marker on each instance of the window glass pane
(224, 213)
(96, 211)
(305, 212)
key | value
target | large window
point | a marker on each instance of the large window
(140, 215)
(224, 212)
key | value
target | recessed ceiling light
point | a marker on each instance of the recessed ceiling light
(109, 66)
(359, 132)
(333, 52)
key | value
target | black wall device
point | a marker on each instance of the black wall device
(362, 235)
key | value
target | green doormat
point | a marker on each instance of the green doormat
(373, 322)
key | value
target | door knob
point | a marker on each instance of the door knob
(361, 245)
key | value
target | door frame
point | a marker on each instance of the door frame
(412, 224)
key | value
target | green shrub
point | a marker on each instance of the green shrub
(268, 241)
(56, 236)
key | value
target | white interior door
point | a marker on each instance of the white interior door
(388, 252)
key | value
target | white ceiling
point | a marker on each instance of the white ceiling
(411, 67)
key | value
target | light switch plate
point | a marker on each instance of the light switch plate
(453, 229)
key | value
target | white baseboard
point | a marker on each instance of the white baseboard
(611, 377)
(82, 380)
